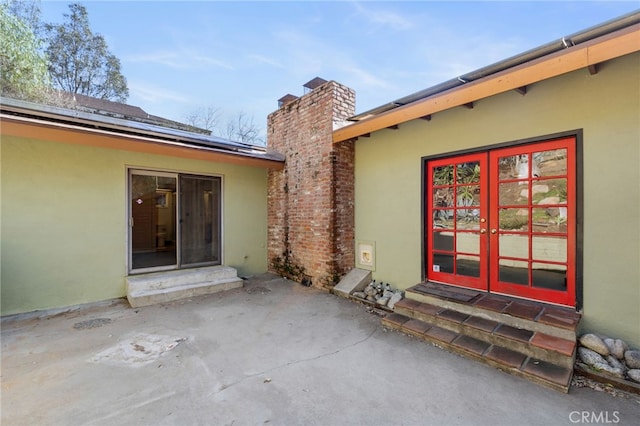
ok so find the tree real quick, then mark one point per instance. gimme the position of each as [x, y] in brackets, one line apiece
[239, 128]
[242, 129]
[204, 118]
[23, 66]
[28, 11]
[80, 62]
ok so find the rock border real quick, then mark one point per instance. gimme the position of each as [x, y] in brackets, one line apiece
[625, 385]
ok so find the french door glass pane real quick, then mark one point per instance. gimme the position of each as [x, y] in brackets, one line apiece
[153, 215]
[468, 265]
[551, 163]
[549, 248]
[514, 271]
[199, 220]
[443, 241]
[468, 172]
[442, 263]
[513, 193]
[517, 167]
[513, 245]
[516, 219]
[549, 276]
[443, 175]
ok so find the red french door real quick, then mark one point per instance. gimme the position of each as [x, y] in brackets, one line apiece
[457, 220]
[504, 221]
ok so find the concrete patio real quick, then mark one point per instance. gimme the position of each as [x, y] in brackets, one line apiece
[271, 352]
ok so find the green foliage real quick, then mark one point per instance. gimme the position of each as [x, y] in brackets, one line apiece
[23, 69]
[443, 175]
[80, 62]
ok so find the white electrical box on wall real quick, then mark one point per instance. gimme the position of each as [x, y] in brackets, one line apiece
[366, 255]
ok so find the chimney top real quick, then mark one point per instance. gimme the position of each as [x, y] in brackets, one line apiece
[286, 99]
[316, 82]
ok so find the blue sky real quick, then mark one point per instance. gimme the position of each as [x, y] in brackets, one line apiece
[242, 56]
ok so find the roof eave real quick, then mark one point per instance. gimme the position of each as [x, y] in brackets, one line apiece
[30, 127]
[589, 53]
[42, 116]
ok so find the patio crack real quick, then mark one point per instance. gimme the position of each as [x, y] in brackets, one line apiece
[296, 362]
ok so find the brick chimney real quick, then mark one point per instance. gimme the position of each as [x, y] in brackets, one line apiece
[311, 202]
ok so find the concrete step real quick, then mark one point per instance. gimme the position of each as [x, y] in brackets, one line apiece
[167, 286]
[551, 375]
[355, 280]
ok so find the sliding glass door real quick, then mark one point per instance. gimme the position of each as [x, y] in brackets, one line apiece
[175, 220]
[199, 220]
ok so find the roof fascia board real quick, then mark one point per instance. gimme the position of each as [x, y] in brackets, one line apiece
[592, 52]
[59, 132]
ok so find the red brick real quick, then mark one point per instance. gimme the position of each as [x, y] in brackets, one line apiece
[311, 202]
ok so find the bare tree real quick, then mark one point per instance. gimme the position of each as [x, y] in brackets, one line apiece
[207, 118]
[242, 129]
[239, 128]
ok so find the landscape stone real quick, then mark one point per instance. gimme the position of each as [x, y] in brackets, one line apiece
[616, 347]
[632, 358]
[397, 296]
[613, 361]
[595, 343]
[550, 200]
[634, 375]
[382, 301]
[540, 189]
[606, 368]
[590, 357]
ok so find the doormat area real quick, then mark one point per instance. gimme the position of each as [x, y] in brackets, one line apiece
[457, 294]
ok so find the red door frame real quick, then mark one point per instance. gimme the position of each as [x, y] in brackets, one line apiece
[490, 235]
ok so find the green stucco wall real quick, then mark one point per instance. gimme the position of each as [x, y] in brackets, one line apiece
[606, 106]
[64, 220]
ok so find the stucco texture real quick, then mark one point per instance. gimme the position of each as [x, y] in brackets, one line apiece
[64, 220]
[605, 106]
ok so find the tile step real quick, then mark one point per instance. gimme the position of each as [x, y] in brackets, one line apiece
[539, 317]
[536, 344]
[546, 373]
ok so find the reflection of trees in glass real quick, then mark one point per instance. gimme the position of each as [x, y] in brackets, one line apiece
[468, 172]
[462, 194]
[443, 175]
